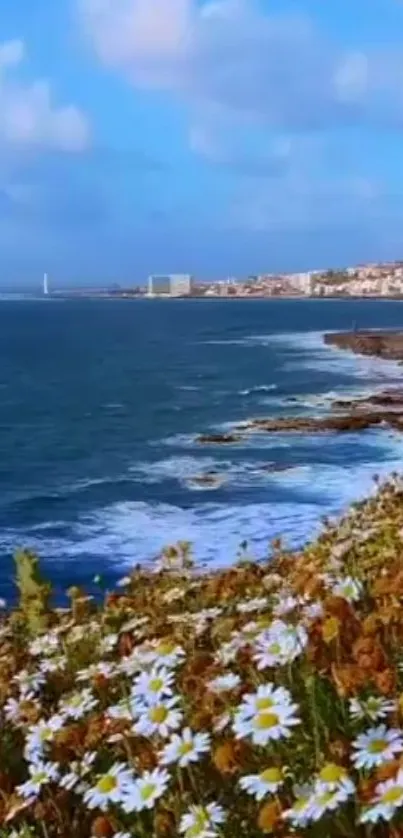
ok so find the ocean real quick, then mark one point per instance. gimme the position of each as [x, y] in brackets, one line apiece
[100, 404]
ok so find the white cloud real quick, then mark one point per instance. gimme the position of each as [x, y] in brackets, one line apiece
[231, 54]
[28, 116]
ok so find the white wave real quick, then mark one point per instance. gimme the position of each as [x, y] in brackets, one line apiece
[124, 533]
[186, 470]
[174, 468]
[259, 388]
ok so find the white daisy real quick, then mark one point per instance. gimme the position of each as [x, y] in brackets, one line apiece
[166, 653]
[280, 644]
[259, 785]
[224, 683]
[110, 787]
[250, 605]
[149, 686]
[29, 683]
[202, 821]
[107, 670]
[348, 588]
[299, 813]
[161, 718]
[333, 777]
[47, 644]
[377, 746]
[372, 708]
[78, 704]
[267, 725]
[146, 790]
[78, 770]
[185, 748]
[227, 653]
[325, 800]
[267, 715]
[40, 735]
[122, 710]
[313, 611]
[107, 643]
[285, 605]
[41, 773]
[57, 663]
[388, 798]
[14, 711]
[267, 697]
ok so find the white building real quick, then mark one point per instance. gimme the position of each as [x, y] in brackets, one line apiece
[180, 285]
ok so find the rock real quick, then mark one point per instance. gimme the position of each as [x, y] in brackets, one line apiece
[210, 480]
[389, 398]
[219, 439]
[380, 344]
[274, 467]
[341, 424]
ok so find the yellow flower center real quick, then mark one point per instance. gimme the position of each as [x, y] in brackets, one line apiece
[197, 828]
[156, 684]
[264, 703]
[326, 797]
[392, 795]
[271, 775]
[74, 701]
[39, 777]
[300, 804]
[147, 791]
[158, 714]
[377, 746]
[274, 649]
[106, 784]
[185, 748]
[265, 721]
[165, 648]
[332, 773]
[46, 734]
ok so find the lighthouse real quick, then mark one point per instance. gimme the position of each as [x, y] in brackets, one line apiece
[45, 285]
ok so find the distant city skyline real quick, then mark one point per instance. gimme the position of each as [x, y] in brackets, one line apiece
[219, 137]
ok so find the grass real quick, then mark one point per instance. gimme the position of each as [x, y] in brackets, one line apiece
[264, 699]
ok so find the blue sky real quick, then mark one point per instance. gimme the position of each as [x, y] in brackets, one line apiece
[211, 136]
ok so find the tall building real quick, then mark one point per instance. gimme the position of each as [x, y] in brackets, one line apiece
[172, 285]
[45, 285]
[181, 285]
[159, 286]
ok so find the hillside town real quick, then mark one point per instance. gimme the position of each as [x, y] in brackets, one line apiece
[369, 280]
[378, 280]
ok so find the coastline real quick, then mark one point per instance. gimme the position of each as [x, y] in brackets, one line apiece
[379, 343]
[249, 694]
[355, 414]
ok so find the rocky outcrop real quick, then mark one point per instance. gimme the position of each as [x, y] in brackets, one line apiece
[219, 439]
[209, 480]
[387, 399]
[380, 344]
[346, 423]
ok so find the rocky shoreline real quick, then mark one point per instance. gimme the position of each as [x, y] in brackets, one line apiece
[388, 345]
[346, 415]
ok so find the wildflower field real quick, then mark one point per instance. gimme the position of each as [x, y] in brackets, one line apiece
[264, 699]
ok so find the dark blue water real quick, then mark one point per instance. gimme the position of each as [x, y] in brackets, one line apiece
[100, 402]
